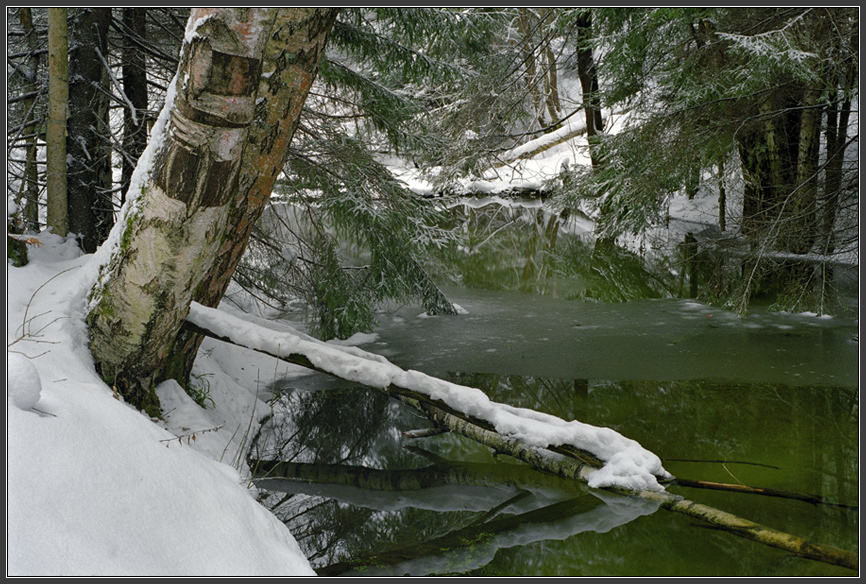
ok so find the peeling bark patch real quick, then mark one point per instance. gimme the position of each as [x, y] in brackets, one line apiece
[177, 176]
[232, 75]
[221, 183]
[203, 117]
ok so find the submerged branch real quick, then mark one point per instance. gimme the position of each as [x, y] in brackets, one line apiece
[806, 497]
[275, 473]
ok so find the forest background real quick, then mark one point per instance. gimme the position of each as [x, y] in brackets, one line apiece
[759, 103]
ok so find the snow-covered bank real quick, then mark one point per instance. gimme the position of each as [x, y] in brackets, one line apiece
[94, 487]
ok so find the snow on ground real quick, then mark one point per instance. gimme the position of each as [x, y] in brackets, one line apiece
[94, 487]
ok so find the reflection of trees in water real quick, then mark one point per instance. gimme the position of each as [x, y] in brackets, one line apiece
[303, 425]
[810, 434]
[354, 491]
[565, 398]
[505, 247]
[524, 245]
[340, 512]
[613, 274]
[530, 248]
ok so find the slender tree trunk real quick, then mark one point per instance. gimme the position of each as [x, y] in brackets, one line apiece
[526, 28]
[135, 88]
[838, 116]
[88, 144]
[551, 79]
[589, 84]
[181, 224]
[58, 98]
[30, 182]
[291, 62]
[723, 202]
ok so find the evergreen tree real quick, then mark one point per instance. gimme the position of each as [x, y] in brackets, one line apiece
[370, 102]
[709, 86]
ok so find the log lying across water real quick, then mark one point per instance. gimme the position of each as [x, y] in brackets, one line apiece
[569, 462]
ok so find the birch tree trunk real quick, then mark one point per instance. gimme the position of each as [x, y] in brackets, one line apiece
[55, 132]
[291, 62]
[181, 222]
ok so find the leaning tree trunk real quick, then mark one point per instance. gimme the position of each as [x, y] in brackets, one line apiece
[291, 61]
[179, 224]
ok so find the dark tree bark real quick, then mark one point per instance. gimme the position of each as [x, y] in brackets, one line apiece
[770, 158]
[589, 84]
[135, 87]
[30, 181]
[91, 213]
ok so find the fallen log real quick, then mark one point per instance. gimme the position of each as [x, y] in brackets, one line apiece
[805, 497]
[568, 461]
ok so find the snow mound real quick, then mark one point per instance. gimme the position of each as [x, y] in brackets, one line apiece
[23, 384]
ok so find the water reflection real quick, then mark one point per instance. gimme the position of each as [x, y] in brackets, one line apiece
[363, 498]
[767, 400]
[523, 245]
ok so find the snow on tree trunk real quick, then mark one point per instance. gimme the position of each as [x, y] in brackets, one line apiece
[179, 224]
[291, 62]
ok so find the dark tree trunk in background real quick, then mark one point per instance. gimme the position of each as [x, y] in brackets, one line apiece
[135, 88]
[88, 146]
[778, 156]
[30, 182]
[589, 84]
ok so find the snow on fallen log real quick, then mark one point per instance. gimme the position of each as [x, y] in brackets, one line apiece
[626, 464]
[567, 131]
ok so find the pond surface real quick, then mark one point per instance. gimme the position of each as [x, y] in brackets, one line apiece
[768, 400]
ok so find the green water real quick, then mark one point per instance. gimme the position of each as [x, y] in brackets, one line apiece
[768, 400]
